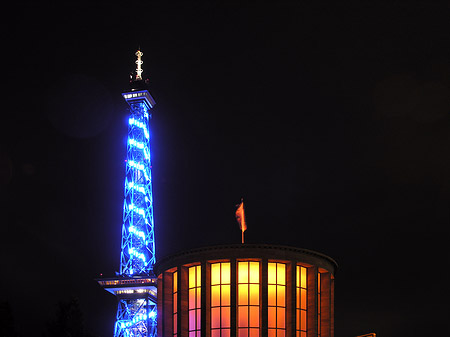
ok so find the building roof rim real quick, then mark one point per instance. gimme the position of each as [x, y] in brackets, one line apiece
[243, 246]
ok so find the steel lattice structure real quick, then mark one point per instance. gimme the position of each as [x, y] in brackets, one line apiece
[138, 240]
[135, 284]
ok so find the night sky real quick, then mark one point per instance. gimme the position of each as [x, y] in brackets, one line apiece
[332, 121]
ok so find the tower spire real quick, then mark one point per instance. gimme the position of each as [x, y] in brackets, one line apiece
[139, 63]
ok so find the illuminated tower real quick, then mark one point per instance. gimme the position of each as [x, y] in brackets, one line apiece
[135, 285]
[138, 240]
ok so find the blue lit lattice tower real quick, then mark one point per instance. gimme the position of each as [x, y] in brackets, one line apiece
[135, 285]
[138, 240]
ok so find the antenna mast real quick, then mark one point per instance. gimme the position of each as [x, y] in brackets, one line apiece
[139, 63]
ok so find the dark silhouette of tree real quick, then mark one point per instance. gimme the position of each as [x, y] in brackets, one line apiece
[69, 321]
[6, 321]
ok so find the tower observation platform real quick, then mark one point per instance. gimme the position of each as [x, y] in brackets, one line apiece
[135, 284]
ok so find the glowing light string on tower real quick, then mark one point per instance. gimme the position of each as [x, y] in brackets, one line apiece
[137, 316]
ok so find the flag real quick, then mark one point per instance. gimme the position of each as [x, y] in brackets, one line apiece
[240, 217]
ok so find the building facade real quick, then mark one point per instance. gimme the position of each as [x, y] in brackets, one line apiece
[246, 290]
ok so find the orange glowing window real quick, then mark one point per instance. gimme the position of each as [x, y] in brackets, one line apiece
[276, 300]
[220, 299]
[248, 299]
[301, 307]
[194, 301]
[175, 302]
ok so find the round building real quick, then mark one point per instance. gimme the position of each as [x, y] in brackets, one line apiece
[246, 290]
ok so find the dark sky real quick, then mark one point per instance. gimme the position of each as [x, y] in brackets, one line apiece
[332, 121]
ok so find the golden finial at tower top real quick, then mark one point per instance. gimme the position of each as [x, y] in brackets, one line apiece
[139, 63]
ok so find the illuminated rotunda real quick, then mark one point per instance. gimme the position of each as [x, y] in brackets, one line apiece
[246, 290]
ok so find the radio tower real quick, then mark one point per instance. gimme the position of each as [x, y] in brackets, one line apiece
[135, 285]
